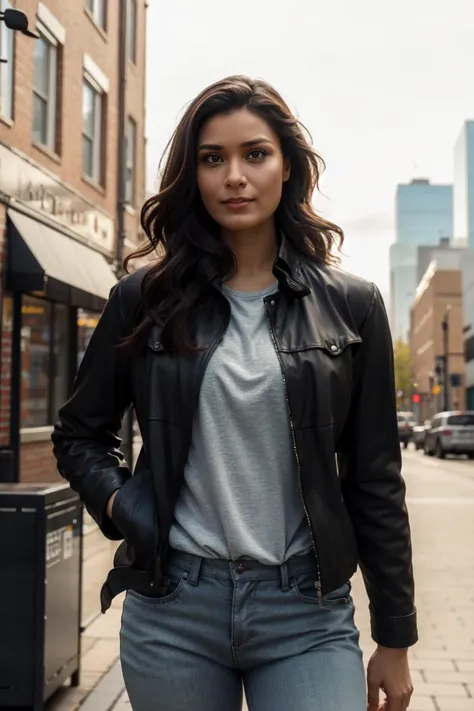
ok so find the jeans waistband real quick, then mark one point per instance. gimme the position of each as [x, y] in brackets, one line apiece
[243, 569]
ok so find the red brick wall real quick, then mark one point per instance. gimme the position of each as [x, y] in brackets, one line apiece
[82, 35]
[37, 463]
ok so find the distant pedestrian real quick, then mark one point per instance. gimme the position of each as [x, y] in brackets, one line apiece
[262, 380]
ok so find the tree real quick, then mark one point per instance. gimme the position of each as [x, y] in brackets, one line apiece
[402, 357]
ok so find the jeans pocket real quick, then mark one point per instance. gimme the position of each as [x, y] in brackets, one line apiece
[305, 588]
[340, 596]
[172, 587]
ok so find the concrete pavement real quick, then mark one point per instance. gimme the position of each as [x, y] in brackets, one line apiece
[441, 503]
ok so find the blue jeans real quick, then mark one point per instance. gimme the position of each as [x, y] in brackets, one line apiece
[222, 626]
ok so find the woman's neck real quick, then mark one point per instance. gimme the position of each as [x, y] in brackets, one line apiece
[255, 252]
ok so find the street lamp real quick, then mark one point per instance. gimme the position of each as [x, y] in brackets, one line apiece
[445, 327]
[17, 21]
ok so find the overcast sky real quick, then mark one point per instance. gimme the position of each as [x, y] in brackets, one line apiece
[383, 87]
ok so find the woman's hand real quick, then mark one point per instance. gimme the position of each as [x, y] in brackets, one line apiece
[388, 670]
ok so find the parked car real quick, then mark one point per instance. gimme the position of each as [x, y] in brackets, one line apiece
[419, 434]
[451, 433]
[406, 423]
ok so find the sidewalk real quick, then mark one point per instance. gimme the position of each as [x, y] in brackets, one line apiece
[100, 652]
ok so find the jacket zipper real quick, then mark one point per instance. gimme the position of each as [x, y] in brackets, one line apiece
[318, 584]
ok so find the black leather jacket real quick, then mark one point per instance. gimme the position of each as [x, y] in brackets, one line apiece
[332, 338]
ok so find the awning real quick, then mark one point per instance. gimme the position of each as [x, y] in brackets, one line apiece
[42, 259]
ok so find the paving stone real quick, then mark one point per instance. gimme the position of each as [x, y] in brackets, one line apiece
[422, 653]
[442, 677]
[462, 654]
[106, 626]
[446, 703]
[454, 690]
[101, 656]
[416, 677]
[422, 703]
[432, 664]
[464, 665]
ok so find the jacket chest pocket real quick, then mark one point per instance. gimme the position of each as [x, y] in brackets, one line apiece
[319, 381]
[172, 384]
[163, 382]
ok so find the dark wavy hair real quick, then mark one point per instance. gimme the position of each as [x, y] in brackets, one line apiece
[190, 253]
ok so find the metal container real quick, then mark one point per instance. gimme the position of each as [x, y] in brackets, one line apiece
[40, 591]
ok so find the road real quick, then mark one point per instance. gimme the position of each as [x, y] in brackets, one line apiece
[440, 496]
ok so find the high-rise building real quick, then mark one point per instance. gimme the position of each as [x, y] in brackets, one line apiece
[72, 181]
[464, 187]
[423, 216]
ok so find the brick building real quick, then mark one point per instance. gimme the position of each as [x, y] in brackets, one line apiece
[439, 298]
[69, 202]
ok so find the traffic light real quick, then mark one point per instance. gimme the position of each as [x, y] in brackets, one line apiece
[416, 398]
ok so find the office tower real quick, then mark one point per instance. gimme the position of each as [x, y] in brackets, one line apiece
[423, 216]
[464, 187]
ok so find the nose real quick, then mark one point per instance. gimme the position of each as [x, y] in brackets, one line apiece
[235, 177]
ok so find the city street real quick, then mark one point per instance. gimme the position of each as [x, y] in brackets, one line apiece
[441, 504]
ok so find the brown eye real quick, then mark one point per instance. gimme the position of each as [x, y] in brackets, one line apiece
[212, 158]
[257, 154]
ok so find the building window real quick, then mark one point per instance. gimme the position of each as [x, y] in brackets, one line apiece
[92, 112]
[86, 324]
[44, 376]
[6, 68]
[45, 90]
[131, 158]
[132, 29]
[98, 10]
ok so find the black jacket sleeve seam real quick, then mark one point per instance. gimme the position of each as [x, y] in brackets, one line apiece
[369, 310]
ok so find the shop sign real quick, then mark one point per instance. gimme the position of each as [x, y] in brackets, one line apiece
[31, 186]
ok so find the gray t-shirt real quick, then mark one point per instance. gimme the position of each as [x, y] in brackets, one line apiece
[241, 496]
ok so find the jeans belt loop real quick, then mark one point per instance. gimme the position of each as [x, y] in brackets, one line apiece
[285, 582]
[195, 570]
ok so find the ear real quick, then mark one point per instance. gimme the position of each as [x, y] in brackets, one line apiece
[286, 169]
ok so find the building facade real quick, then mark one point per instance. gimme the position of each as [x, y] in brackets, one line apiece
[423, 216]
[464, 186]
[439, 298]
[68, 132]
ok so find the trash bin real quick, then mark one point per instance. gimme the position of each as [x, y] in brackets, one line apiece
[40, 591]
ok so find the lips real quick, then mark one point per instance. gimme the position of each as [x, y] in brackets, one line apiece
[237, 201]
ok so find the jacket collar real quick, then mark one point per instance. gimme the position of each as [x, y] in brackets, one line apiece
[287, 269]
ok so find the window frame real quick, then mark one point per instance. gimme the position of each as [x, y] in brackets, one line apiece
[131, 161]
[7, 51]
[132, 30]
[98, 139]
[98, 11]
[50, 313]
[52, 99]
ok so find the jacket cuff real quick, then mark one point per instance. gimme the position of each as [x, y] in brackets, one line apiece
[394, 632]
[106, 482]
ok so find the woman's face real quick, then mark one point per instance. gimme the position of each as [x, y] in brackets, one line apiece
[241, 170]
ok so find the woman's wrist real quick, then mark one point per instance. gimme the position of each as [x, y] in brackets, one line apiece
[110, 504]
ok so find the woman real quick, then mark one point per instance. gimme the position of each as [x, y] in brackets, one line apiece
[262, 380]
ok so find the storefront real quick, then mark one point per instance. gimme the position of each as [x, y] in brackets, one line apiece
[54, 287]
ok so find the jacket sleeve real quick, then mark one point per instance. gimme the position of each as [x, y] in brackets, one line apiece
[373, 489]
[85, 439]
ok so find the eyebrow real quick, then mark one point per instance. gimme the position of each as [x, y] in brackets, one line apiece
[245, 144]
